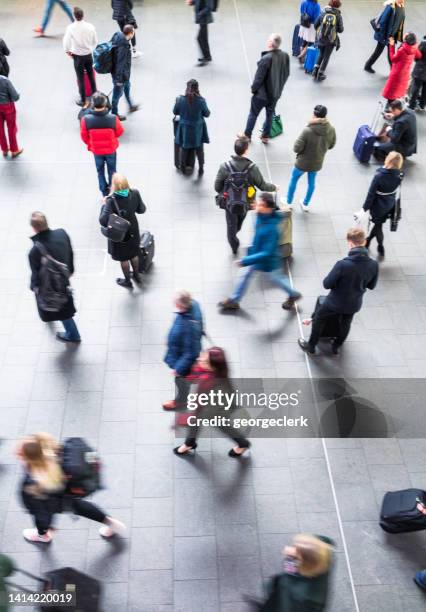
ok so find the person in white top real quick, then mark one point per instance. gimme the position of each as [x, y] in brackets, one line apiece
[79, 41]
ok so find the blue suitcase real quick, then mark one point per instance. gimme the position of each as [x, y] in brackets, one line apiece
[297, 41]
[311, 57]
[364, 144]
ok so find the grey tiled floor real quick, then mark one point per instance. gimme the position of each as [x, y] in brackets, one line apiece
[205, 531]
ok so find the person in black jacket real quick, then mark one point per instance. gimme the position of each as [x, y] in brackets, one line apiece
[122, 67]
[418, 87]
[389, 24]
[4, 66]
[273, 70]
[328, 26]
[348, 281]
[129, 203]
[203, 16]
[123, 15]
[402, 135]
[382, 196]
[57, 244]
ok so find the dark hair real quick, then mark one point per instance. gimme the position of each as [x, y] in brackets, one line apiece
[128, 29]
[396, 105]
[78, 13]
[241, 145]
[192, 90]
[410, 38]
[268, 199]
[320, 111]
[99, 100]
[335, 3]
[217, 360]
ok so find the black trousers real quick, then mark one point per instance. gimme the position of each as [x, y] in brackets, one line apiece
[234, 223]
[203, 41]
[82, 64]
[186, 157]
[377, 232]
[418, 90]
[228, 431]
[320, 319]
[380, 47]
[182, 389]
[324, 57]
[121, 24]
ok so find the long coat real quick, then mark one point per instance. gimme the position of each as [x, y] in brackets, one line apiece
[419, 71]
[399, 78]
[128, 206]
[191, 131]
[385, 181]
[184, 340]
[203, 11]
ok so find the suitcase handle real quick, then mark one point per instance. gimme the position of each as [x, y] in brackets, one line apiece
[376, 118]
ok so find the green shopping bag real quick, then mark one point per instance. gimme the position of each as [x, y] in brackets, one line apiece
[277, 127]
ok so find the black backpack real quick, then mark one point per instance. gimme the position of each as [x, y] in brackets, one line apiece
[81, 466]
[328, 28]
[234, 195]
[53, 291]
[399, 513]
[215, 5]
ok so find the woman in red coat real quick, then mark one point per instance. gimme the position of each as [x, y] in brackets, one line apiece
[402, 60]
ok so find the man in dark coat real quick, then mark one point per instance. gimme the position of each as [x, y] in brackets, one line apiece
[240, 163]
[123, 15]
[55, 244]
[203, 16]
[183, 345]
[348, 281]
[273, 70]
[418, 88]
[389, 24]
[122, 67]
[402, 134]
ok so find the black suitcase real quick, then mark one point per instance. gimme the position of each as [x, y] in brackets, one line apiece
[146, 251]
[399, 513]
[184, 158]
[332, 325]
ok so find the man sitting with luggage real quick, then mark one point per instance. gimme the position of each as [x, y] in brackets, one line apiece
[348, 281]
[235, 182]
[402, 135]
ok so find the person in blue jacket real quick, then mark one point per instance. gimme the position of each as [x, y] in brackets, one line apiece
[309, 13]
[389, 24]
[183, 345]
[263, 255]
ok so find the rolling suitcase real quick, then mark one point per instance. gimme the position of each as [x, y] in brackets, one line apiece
[366, 137]
[332, 326]
[146, 251]
[184, 159]
[297, 41]
[87, 89]
[399, 513]
[311, 57]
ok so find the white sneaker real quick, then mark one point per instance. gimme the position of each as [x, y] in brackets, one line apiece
[136, 54]
[303, 207]
[114, 526]
[32, 535]
[284, 202]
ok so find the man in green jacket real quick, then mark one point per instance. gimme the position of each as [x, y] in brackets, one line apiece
[239, 163]
[311, 146]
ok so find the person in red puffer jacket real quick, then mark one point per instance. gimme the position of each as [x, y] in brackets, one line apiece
[402, 61]
[100, 131]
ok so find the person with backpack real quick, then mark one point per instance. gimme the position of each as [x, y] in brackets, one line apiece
[79, 41]
[40, 30]
[4, 65]
[263, 255]
[328, 26]
[126, 203]
[52, 264]
[203, 10]
[123, 15]
[46, 489]
[402, 60]
[235, 185]
[8, 97]
[183, 345]
[318, 137]
[418, 83]
[388, 24]
[273, 70]
[121, 69]
[100, 131]
[309, 12]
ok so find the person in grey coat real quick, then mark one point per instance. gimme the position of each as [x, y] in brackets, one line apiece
[203, 16]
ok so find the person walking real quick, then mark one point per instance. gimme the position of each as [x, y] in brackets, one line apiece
[389, 24]
[212, 376]
[309, 13]
[191, 133]
[273, 70]
[402, 60]
[123, 15]
[263, 255]
[79, 41]
[40, 30]
[4, 65]
[44, 492]
[183, 345]
[122, 67]
[382, 196]
[401, 135]
[418, 87]
[52, 264]
[127, 203]
[203, 10]
[328, 27]
[348, 280]
[100, 131]
[235, 185]
[311, 147]
[8, 97]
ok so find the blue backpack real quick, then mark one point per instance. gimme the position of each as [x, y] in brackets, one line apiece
[103, 57]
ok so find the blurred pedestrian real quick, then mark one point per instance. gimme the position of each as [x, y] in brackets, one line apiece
[309, 12]
[8, 97]
[418, 83]
[203, 10]
[40, 30]
[388, 24]
[122, 13]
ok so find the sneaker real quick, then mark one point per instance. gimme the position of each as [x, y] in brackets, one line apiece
[38, 30]
[289, 304]
[62, 336]
[170, 405]
[303, 207]
[305, 346]
[136, 54]
[16, 153]
[32, 535]
[229, 305]
[112, 528]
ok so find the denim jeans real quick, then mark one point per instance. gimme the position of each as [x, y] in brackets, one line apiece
[71, 329]
[117, 92]
[275, 276]
[293, 183]
[257, 104]
[48, 11]
[111, 163]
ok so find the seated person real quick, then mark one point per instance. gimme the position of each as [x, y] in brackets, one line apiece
[401, 135]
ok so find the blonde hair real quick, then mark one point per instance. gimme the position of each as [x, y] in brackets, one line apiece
[394, 160]
[39, 453]
[314, 555]
[356, 235]
[119, 182]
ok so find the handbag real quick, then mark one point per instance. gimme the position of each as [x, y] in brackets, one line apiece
[276, 127]
[396, 214]
[117, 227]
